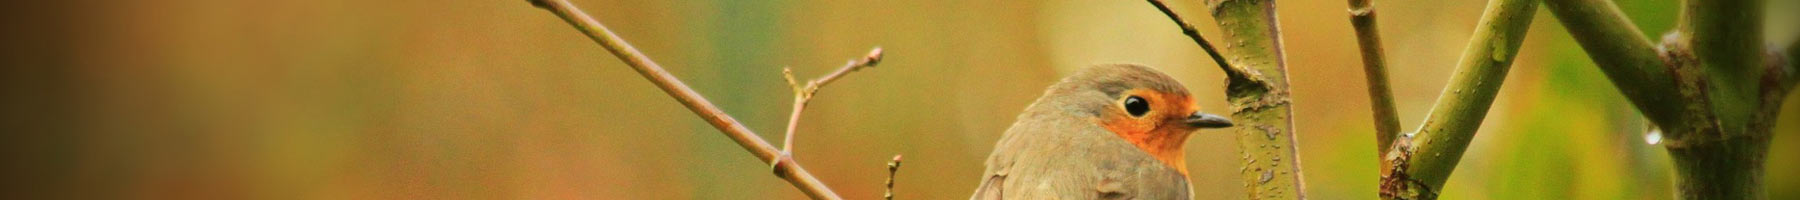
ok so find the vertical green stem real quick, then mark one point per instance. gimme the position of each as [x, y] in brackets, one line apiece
[1726, 37]
[1260, 99]
[1381, 97]
[1792, 66]
[1725, 161]
[1726, 169]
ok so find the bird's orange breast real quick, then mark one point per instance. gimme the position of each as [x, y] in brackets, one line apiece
[1161, 143]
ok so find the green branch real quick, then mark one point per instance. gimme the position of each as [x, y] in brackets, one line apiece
[1424, 163]
[1381, 97]
[1259, 99]
[1703, 86]
[1625, 55]
[1722, 158]
[1731, 168]
[1726, 38]
[1791, 66]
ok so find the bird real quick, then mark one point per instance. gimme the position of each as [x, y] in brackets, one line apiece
[1110, 131]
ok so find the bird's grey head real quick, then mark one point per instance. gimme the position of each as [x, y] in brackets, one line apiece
[1129, 89]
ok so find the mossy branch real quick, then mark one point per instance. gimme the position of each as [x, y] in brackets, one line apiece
[1425, 160]
[1257, 89]
[1707, 86]
[1721, 155]
[1726, 40]
[1258, 92]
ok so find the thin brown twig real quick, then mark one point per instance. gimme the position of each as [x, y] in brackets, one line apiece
[791, 171]
[1194, 33]
[893, 167]
[803, 93]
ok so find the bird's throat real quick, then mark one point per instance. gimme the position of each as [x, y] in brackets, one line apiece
[1164, 144]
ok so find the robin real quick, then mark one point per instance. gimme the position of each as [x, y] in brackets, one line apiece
[1108, 132]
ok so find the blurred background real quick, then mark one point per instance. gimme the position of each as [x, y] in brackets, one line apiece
[339, 99]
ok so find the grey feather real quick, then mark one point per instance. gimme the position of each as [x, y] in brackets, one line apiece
[1075, 157]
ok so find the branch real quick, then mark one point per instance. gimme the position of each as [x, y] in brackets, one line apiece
[792, 172]
[803, 93]
[1789, 55]
[1703, 84]
[1726, 36]
[1381, 97]
[1426, 160]
[1627, 57]
[1724, 72]
[1791, 66]
[1258, 92]
[1235, 74]
[893, 167]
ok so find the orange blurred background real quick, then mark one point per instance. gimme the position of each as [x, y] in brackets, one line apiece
[338, 99]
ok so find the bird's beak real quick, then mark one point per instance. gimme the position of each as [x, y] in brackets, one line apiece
[1203, 120]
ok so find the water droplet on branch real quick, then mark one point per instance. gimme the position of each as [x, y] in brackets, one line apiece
[1653, 137]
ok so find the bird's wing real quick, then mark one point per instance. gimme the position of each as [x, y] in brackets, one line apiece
[999, 163]
[1043, 156]
[990, 188]
[1023, 136]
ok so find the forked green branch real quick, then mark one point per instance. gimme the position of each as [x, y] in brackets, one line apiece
[1425, 161]
[1626, 56]
[1706, 85]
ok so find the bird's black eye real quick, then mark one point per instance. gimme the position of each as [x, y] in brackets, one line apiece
[1136, 106]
